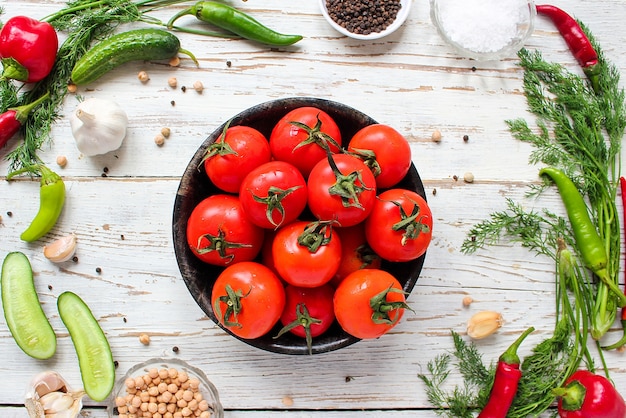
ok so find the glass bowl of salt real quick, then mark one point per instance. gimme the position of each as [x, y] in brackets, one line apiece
[485, 30]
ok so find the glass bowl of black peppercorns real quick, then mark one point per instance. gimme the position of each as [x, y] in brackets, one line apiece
[365, 19]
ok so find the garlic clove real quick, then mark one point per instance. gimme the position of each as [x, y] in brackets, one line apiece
[61, 250]
[49, 396]
[483, 324]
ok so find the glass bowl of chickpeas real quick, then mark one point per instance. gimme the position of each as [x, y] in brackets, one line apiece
[166, 388]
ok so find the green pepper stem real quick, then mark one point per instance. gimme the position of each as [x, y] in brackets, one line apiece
[188, 11]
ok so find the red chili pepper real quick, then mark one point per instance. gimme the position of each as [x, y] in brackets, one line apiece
[12, 120]
[28, 49]
[507, 378]
[588, 395]
[576, 40]
[622, 341]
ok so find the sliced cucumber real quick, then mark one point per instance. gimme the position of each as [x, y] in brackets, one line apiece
[25, 317]
[97, 368]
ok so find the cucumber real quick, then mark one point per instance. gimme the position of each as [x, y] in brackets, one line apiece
[97, 368]
[25, 317]
[138, 44]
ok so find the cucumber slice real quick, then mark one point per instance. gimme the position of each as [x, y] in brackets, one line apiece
[25, 317]
[97, 368]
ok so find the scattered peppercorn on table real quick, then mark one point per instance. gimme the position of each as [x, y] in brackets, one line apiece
[119, 205]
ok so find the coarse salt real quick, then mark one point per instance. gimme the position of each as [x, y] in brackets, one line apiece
[482, 26]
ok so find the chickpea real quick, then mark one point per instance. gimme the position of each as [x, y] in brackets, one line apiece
[145, 340]
[62, 161]
[166, 132]
[436, 136]
[72, 88]
[174, 62]
[143, 77]
[198, 86]
[159, 140]
[172, 82]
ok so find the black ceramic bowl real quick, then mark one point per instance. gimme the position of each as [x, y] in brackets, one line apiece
[195, 186]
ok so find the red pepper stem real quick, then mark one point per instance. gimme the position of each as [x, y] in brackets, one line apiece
[510, 355]
[22, 112]
[572, 395]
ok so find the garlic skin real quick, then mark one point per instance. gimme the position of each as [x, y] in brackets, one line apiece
[61, 249]
[98, 126]
[49, 396]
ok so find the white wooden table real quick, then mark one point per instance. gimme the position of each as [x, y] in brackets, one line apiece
[411, 81]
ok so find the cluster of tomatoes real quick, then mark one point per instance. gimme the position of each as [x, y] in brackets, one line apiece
[303, 223]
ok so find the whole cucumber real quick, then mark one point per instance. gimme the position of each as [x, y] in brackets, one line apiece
[133, 45]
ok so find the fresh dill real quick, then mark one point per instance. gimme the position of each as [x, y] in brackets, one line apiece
[580, 132]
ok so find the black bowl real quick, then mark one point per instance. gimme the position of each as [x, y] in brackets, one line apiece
[195, 186]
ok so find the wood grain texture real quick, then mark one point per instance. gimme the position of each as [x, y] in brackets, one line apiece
[411, 81]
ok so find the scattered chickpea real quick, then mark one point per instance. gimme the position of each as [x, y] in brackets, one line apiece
[61, 161]
[436, 136]
[287, 401]
[468, 177]
[143, 76]
[198, 86]
[166, 132]
[172, 82]
[144, 339]
[72, 88]
[174, 62]
[159, 139]
[467, 301]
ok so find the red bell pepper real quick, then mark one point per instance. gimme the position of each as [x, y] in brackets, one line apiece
[588, 395]
[12, 120]
[28, 49]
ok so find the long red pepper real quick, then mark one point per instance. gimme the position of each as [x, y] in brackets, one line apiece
[507, 378]
[576, 40]
[622, 341]
[12, 120]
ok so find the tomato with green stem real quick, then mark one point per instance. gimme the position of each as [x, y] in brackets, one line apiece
[400, 225]
[385, 151]
[306, 254]
[341, 188]
[304, 136]
[248, 299]
[273, 194]
[308, 311]
[219, 233]
[369, 302]
[356, 253]
[236, 152]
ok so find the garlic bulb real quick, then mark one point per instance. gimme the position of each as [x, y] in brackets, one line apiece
[49, 396]
[98, 126]
[61, 249]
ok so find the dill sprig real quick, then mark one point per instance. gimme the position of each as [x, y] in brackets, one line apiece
[578, 131]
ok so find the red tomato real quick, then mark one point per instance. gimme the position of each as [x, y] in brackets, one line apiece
[345, 194]
[302, 136]
[385, 151]
[368, 303]
[248, 299]
[356, 253]
[219, 233]
[306, 254]
[273, 194]
[227, 161]
[413, 221]
[308, 311]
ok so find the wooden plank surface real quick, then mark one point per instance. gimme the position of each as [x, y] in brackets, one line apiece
[411, 81]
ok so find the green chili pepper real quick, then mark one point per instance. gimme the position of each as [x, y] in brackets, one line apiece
[235, 21]
[51, 200]
[589, 243]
